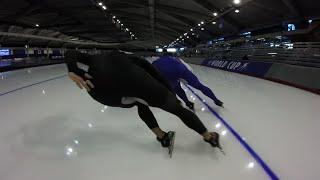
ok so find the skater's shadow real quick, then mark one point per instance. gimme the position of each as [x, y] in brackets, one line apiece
[49, 138]
[113, 140]
[197, 148]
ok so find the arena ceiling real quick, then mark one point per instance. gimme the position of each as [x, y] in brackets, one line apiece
[139, 23]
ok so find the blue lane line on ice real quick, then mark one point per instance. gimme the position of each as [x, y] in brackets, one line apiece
[59, 77]
[265, 167]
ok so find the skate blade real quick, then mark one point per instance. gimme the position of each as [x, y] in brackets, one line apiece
[171, 147]
[221, 150]
[192, 110]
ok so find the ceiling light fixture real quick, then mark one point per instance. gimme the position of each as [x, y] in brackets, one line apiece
[236, 1]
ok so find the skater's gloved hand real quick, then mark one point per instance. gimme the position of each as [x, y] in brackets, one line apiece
[81, 83]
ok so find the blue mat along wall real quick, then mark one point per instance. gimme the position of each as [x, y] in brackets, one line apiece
[258, 69]
[306, 78]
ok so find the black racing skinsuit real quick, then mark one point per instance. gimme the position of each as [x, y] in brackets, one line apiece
[117, 75]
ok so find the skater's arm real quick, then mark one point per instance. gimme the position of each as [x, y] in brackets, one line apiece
[81, 82]
[152, 71]
[72, 57]
[79, 76]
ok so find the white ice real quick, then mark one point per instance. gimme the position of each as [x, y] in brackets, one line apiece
[53, 130]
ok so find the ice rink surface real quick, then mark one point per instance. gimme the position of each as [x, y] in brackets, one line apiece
[49, 129]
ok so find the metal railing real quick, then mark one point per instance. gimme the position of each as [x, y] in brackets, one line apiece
[302, 53]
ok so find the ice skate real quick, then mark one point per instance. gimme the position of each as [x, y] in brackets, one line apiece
[168, 141]
[190, 105]
[214, 141]
[218, 103]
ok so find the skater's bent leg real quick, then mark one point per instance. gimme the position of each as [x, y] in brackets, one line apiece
[188, 118]
[180, 92]
[158, 132]
[147, 116]
[194, 82]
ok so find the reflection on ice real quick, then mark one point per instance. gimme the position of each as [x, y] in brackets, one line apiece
[76, 141]
[218, 125]
[224, 132]
[69, 151]
[251, 165]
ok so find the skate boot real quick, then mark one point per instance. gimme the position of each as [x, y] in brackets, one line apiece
[218, 103]
[214, 141]
[168, 141]
[190, 105]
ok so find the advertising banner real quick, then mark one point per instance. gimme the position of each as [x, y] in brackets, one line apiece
[258, 69]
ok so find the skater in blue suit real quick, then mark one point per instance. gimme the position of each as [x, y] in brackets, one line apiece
[176, 70]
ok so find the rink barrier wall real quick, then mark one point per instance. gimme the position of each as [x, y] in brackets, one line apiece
[250, 150]
[30, 63]
[245, 67]
[305, 78]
